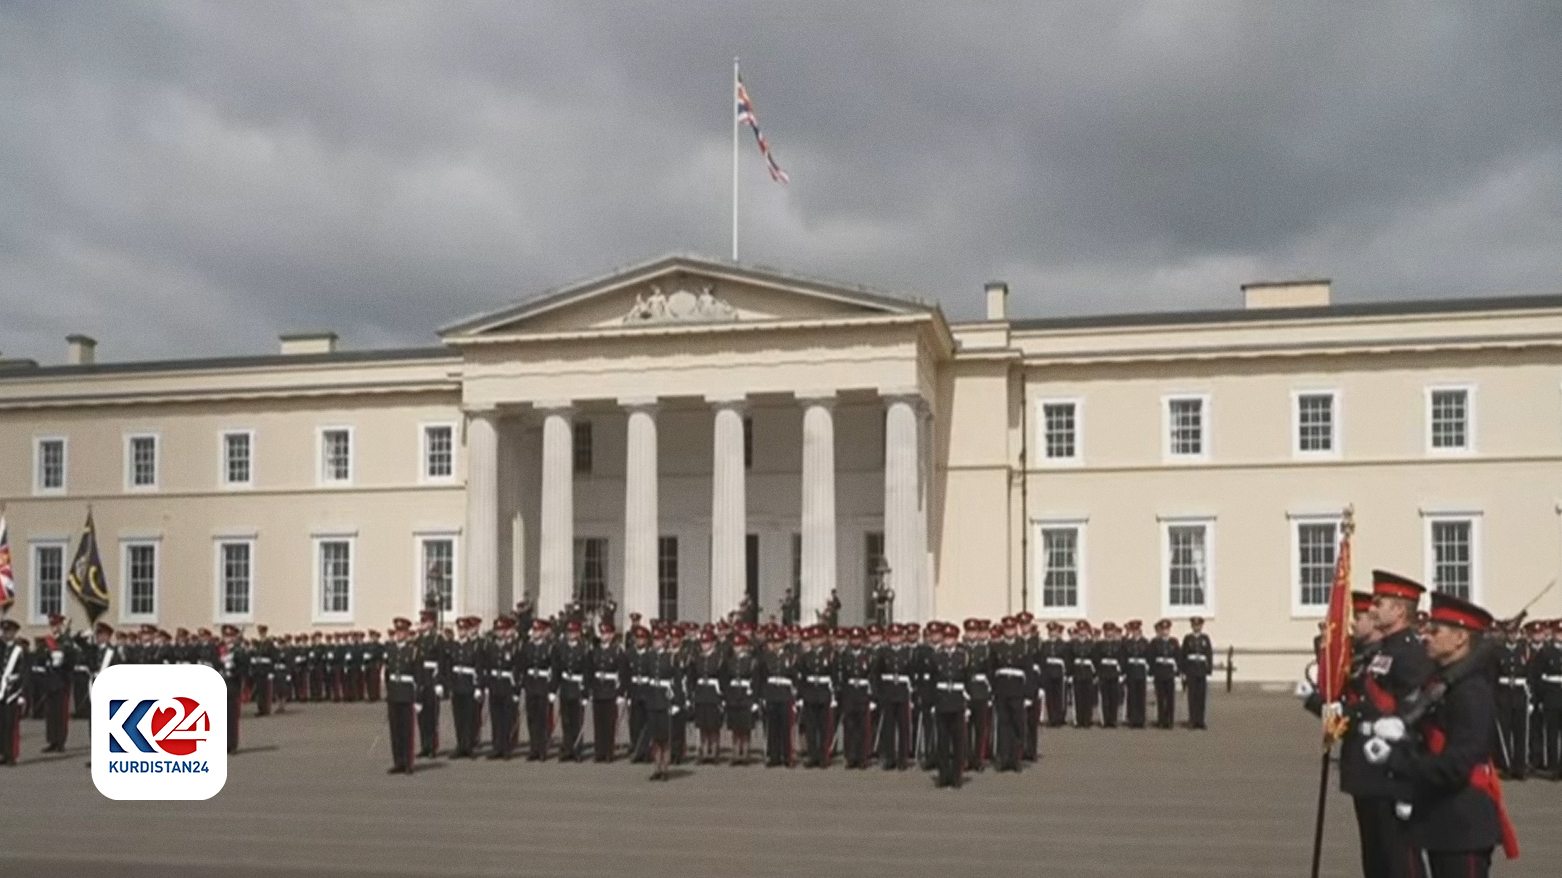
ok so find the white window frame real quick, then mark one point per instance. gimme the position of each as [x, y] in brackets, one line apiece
[1297, 451]
[419, 538]
[1078, 458]
[34, 603]
[65, 465]
[219, 587]
[316, 613]
[1295, 521]
[352, 456]
[1206, 431]
[130, 461]
[1039, 567]
[125, 545]
[1469, 419]
[222, 460]
[423, 452]
[1429, 553]
[1183, 611]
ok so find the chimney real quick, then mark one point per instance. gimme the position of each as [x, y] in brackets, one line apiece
[308, 343]
[81, 350]
[1287, 294]
[997, 300]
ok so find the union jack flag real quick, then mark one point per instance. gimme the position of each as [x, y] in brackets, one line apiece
[7, 581]
[747, 116]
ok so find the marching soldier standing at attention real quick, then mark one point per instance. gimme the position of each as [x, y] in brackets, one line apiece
[641, 660]
[573, 663]
[818, 694]
[1548, 676]
[317, 667]
[262, 663]
[86, 655]
[664, 699]
[780, 669]
[980, 690]
[705, 682]
[466, 675]
[925, 693]
[37, 659]
[893, 671]
[401, 694]
[1035, 702]
[1513, 702]
[855, 671]
[743, 676]
[1109, 658]
[374, 665]
[1082, 668]
[538, 679]
[1198, 662]
[949, 671]
[1055, 656]
[1010, 686]
[59, 659]
[13, 666]
[609, 667]
[1136, 670]
[1165, 659]
[433, 668]
[233, 663]
[683, 650]
[501, 661]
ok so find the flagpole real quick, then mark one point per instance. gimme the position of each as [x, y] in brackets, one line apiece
[732, 107]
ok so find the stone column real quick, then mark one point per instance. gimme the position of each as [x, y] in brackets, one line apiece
[641, 530]
[818, 505]
[556, 552]
[729, 510]
[480, 595]
[903, 537]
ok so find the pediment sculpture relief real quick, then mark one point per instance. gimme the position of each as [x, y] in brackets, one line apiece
[682, 306]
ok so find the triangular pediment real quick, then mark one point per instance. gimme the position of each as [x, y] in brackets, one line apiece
[681, 290]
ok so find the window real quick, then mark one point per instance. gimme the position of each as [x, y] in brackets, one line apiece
[333, 579]
[1188, 582]
[1316, 550]
[235, 580]
[1453, 556]
[141, 462]
[667, 579]
[797, 564]
[748, 443]
[48, 581]
[139, 591]
[1315, 423]
[237, 456]
[583, 447]
[590, 572]
[872, 554]
[1060, 431]
[439, 454]
[1450, 419]
[437, 576]
[1058, 568]
[49, 465]
[336, 456]
[1185, 417]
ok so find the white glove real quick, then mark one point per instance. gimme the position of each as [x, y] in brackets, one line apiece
[1028, 703]
[1377, 750]
[1304, 689]
[1390, 729]
[57, 657]
[439, 691]
[417, 708]
[553, 698]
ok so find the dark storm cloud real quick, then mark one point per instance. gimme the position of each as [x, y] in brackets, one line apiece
[190, 178]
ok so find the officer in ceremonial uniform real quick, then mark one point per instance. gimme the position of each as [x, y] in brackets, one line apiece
[233, 662]
[1082, 669]
[467, 674]
[85, 654]
[609, 673]
[1055, 655]
[1010, 669]
[573, 663]
[1547, 674]
[1514, 661]
[59, 660]
[1198, 662]
[893, 670]
[1453, 801]
[1109, 665]
[641, 658]
[949, 671]
[979, 688]
[665, 698]
[854, 668]
[402, 664]
[1136, 673]
[433, 670]
[262, 663]
[706, 685]
[539, 681]
[13, 668]
[374, 666]
[1165, 659]
[743, 678]
[818, 691]
[501, 664]
[780, 669]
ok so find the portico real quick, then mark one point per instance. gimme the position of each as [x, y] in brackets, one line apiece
[683, 434]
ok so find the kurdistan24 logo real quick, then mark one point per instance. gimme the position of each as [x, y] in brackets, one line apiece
[171, 726]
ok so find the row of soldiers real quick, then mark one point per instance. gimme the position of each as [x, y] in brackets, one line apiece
[1529, 699]
[886, 693]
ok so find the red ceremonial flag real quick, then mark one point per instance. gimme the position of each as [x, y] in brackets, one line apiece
[1334, 654]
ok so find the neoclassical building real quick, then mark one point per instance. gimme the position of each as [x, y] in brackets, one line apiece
[686, 431]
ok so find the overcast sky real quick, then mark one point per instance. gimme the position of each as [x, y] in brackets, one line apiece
[192, 178]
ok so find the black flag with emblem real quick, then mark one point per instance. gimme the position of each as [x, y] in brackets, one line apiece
[86, 576]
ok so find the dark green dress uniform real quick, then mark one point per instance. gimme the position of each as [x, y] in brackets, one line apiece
[1136, 675]
[13, 679]
[501, 666]
[572, 664]
[1198, 662]
[855, 671]
[609, 670]
[980, 689]
[949, 671]
[817, 687]
[705, 683]
[664, 695]
[780, 668]
[1054, 658]
[1109, 677]
[539, 681]
[262, 667]
[232, 661]
[433, 671]
[467, 673]
[1165, 659]
[1011, 676]
[642, 664]
[743, 679]
[1513, 706]
[893, 673]
[1082, 669]
[402, 663]
[1547, 674]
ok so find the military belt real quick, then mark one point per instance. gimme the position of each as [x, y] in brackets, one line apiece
[401, 678]
[1011, 672]
[951, 687]
[432, 666]
[1515, 681]
[979, 677]
[1166, 659]
[465, 669]
[741, 684]
[859, 681]
[574, 678]
[1552, 678]
[820, 681]
[505, 674]
[1054, 660]
[896, 678]
[639, 681]
[710, 681]
[1138, 661]
[781, 681]
[1109, 661]
[607, 675]
[538, 672]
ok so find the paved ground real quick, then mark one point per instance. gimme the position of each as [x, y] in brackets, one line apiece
[309, 796]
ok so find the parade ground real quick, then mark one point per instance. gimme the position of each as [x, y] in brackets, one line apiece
[308, 795]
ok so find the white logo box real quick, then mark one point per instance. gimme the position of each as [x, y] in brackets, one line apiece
[177, 712]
